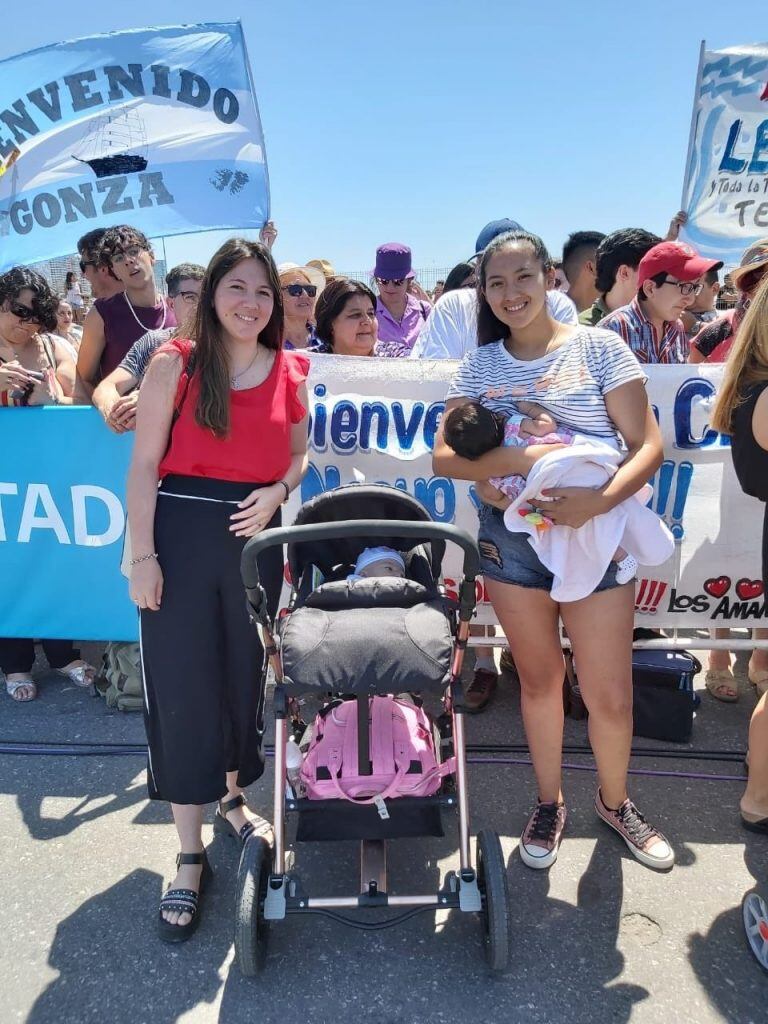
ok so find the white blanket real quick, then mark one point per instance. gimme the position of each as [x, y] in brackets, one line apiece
[578, 558]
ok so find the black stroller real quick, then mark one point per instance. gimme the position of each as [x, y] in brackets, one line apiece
[367, 646]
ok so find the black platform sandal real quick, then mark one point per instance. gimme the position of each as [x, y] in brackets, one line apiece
[186, 901]
[223, 826]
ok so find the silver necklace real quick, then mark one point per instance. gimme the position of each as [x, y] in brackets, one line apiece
[233, 380]
[141, 325]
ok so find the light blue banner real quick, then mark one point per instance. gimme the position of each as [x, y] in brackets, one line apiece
[62, 488]
[156, 127]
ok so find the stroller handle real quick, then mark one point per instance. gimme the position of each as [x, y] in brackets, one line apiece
[357, 528]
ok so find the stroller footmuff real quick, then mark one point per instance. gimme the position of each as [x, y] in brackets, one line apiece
[335, 643]
[376, 767]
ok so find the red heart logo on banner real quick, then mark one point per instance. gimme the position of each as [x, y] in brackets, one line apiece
[718, 586]
[748, 590]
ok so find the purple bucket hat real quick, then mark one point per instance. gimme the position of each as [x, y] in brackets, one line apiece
[393, 262]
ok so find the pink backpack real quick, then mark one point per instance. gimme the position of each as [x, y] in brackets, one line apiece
[400, 734]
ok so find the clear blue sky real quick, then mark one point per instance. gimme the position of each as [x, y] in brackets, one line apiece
[420, 121]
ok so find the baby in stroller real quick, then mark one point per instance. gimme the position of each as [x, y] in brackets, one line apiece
[471, 430]
[377, 767]
[381, 561]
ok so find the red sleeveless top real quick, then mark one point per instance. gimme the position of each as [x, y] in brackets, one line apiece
[258, 447]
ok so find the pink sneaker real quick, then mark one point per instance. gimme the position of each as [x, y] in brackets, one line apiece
[646, 843]
[540, 842]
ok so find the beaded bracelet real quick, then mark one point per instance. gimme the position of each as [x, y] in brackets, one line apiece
[144, 558]
[287, 490]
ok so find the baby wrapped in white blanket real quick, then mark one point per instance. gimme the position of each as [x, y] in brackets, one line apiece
[578, 558]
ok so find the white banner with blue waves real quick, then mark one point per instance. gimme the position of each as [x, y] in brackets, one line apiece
[726, 180]
[155, 127]
[61, 504]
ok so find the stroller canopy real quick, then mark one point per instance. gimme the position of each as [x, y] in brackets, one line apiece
[358, 501]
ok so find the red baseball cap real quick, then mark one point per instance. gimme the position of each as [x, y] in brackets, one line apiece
[674, 258]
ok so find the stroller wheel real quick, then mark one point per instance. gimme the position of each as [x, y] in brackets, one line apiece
[251, 930]
[755, 913]
[492, 882]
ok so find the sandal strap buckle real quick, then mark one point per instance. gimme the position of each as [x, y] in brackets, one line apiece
[189, 858]
[225, 806]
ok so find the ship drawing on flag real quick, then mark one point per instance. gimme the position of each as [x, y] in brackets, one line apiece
[114, 144]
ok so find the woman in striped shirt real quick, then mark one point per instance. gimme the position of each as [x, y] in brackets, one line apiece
[590, 382]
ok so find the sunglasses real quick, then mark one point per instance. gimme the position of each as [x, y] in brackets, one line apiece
[86, 263]
[24, 313]
[750, 281]
[132, 252]
[296, 289]
[686, 287]
[396, 282]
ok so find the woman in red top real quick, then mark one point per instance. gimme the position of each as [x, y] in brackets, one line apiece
[222, 425]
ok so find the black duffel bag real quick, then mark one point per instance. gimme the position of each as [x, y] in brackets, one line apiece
[663, 697]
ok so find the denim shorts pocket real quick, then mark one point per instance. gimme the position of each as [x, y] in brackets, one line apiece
[482, 513]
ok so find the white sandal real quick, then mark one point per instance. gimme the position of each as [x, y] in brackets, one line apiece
[82, 675]
[12, 687]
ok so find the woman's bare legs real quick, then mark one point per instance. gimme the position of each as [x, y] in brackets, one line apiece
[600, 629]
[720, 660]
[529, 618]
[758, 663]
[719, 678]
[238, 816]
[188, 819]
[754, 802]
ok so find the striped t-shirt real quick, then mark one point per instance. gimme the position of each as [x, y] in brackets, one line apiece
[136, 359]
[569, 382]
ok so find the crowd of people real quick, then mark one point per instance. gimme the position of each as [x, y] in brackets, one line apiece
[548, 348]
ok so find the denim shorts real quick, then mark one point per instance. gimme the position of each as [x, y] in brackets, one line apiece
[507, 556]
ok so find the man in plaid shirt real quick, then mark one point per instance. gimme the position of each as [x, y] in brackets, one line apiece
[668, 280]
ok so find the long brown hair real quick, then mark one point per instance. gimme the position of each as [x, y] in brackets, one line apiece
[747, 361]
[211, 364]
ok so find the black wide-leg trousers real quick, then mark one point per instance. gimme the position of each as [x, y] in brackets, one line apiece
[201, 657]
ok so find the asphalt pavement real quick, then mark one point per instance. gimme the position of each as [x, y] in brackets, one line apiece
[84, 858]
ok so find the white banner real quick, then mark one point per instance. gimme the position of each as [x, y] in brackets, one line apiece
[726, 180]
[367, 424]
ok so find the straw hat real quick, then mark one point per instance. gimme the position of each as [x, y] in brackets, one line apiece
[755, 258]
[325, 267]
[312, 274]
